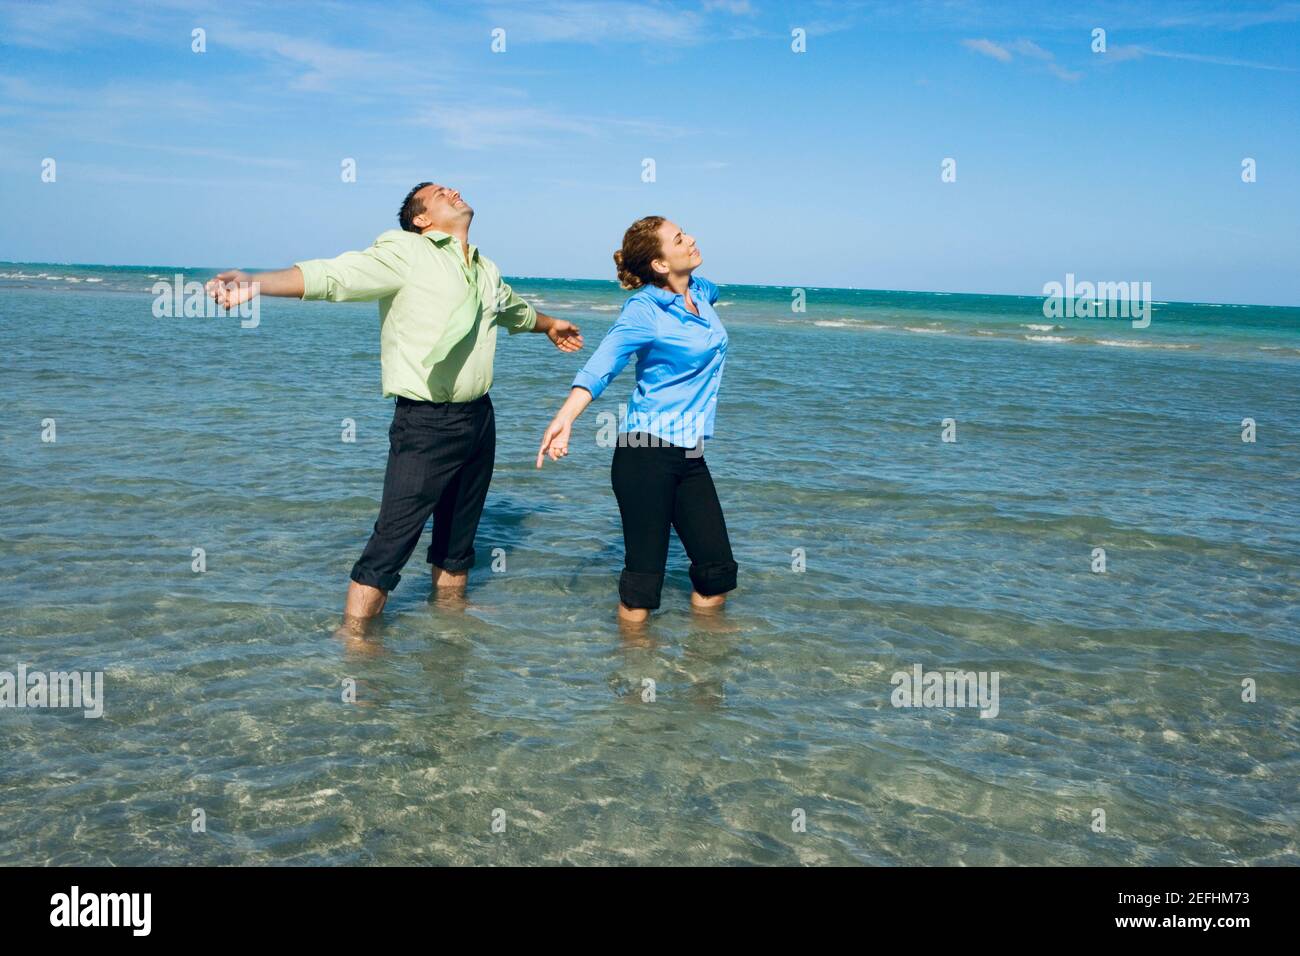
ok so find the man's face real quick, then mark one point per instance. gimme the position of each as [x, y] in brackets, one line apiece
[444, 209]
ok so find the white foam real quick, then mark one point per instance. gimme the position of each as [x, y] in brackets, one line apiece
[915, 328]
[850, 324]
[1044, 328]
[1131, 344]
[1046, 338]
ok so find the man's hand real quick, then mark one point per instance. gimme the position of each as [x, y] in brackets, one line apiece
[235, 288]
[565, 335]
[232, 288]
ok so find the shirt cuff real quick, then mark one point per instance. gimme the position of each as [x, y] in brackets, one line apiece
[313, 278]
[527, 323]
[591, 383]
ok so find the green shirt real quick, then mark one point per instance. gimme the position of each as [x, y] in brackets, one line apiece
[438, 315]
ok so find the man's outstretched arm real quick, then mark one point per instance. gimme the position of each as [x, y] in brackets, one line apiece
[233, 287]
[564, 334]
[362, 276]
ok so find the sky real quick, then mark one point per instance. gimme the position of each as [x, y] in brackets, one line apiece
[820, 168]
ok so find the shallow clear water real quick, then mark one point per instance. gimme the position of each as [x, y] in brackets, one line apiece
[1119, 691]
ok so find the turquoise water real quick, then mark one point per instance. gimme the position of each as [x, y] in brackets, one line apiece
[1118, 691]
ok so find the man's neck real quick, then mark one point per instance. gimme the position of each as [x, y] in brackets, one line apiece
[456, 232]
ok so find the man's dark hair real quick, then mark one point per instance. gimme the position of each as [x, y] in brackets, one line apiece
[411, 207]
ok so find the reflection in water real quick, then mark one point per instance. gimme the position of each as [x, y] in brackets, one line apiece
[691, 666]
[361, 636]
[449, 599]
[638, 634]
[707, 653]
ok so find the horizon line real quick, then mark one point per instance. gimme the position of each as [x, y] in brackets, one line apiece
[830, 288]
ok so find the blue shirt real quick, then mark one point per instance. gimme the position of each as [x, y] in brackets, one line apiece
[679, 359]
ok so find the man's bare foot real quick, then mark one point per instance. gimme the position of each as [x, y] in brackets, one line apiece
[359, 635]
[363, 601]
[632, 615]
[713, 602]
[448, 598]
[449, 579]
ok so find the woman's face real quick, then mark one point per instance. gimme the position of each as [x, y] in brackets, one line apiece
[678, 252]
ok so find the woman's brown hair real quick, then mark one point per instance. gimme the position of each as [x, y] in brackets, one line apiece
[641, 246]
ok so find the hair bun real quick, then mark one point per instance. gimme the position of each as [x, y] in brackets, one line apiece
[626, 279]
[641, 246]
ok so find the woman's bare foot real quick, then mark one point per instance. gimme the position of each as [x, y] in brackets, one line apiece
[632, 615]
[713, 602]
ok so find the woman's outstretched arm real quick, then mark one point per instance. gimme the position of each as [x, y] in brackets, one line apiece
[634, 329]
[555, 440]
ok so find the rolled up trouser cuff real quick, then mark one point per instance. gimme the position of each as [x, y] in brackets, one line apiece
[640, 590]
[371, 578]
[718, 577]
[452, 564]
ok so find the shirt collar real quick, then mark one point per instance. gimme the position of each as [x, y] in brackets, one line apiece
[440, 239]
[666, 297]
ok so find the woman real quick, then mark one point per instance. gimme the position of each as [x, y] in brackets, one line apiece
[659, 474]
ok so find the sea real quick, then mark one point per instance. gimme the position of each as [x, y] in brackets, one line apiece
[1095, 523]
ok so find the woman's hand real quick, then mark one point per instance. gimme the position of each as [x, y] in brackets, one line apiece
[555, 440]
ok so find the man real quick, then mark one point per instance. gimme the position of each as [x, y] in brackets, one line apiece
[440, 302]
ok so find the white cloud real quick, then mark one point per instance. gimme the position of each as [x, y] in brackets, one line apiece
[988, 48]
[598, 21]
[1062, 73]
[1118, 54]
[485, 127]
[737, 7]
[1030, 48]
[1027, 48]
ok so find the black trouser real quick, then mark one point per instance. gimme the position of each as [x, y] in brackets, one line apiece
[664, 486]
[440, 457]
